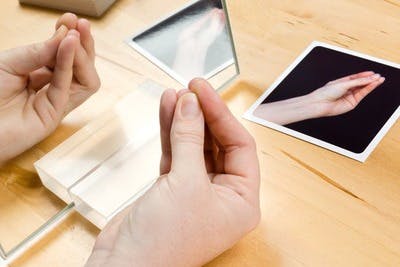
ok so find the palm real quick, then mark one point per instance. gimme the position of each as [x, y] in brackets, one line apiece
[344, 104]
[41, 83]
[29, 109]
[205, 199]
[19, 102]
[16, 85]
[17, 107]
[343, 95]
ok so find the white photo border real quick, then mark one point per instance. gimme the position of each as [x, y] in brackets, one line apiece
[362, 157]
[163, 66]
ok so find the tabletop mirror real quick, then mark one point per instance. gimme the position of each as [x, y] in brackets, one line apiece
[94, 171]
[194, 41]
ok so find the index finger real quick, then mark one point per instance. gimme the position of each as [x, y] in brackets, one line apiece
[352, 77]
[59, 86]
[238, 145]
[87, 40]
[70, 21]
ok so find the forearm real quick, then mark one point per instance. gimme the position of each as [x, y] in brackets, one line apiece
[290, 110]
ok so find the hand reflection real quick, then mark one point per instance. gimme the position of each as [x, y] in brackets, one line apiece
[194, 42]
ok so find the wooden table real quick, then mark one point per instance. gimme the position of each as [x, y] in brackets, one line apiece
[319, 208]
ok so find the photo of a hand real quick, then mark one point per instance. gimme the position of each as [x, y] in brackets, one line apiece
[344, 94]
[194, 42]
[41, 83]
[206, 198]
[334, 98]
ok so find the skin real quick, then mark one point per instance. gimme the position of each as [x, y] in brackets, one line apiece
[335, 98]
[195, 41]
[207, 196]
[43, 82]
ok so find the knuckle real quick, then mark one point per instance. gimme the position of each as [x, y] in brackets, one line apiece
[251, 142]
[36, 52]
[185, 136]
[96, 84]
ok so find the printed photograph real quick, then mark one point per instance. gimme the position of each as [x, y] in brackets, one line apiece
[333, 98]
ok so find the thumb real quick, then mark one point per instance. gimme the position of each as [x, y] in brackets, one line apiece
[187, 138]
[58, 91]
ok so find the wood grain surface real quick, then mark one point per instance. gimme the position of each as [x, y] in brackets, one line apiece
[318, 208]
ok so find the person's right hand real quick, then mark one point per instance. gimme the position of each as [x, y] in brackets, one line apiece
[335, 98]
[344, 94]
[207, 197]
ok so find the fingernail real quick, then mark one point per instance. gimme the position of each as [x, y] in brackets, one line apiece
[182, 92]
[375, 76]
[382, 79]
[60, 29]
[74, 32]
[195, 84]
[190, 107]
[197, 81]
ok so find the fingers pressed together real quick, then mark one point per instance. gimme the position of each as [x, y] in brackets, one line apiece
[85, 52]
[359, 85]
[210, 136]
[360, 79]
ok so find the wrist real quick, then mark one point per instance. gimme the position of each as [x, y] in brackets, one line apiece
[313, 107]
[290, 110]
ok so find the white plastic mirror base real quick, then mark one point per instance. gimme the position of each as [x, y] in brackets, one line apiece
[110, 162]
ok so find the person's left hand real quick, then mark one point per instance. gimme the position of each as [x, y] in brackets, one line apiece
[41, 83]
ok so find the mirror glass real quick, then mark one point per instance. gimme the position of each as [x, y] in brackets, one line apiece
[194, 41]
[20, 224]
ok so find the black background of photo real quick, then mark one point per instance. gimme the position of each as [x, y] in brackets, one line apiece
[353, 130]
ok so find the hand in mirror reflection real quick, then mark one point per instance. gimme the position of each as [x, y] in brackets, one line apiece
[206, 198]
[41, 83]
[194, 42]
[335, 98]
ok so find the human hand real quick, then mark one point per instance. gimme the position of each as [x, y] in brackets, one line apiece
[335, 98]
[194, 42]
[344, 94]
[206, 29]
[207, 197]
[41, 83]
[85, 81]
